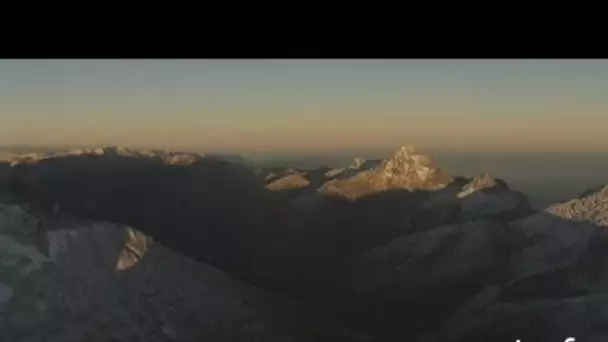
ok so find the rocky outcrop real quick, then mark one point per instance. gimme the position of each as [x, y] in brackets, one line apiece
[107, 282]
[406, 169]
[289, 182]
[358, 165]
[507, 206]
[483, 182]
[592, 207]
[296, 183]
[486, 197]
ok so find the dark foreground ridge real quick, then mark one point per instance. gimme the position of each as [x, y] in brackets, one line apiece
[382, 250]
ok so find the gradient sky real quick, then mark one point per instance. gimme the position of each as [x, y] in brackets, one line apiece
[307, 105]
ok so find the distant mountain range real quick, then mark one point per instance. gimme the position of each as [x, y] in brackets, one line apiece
[116, 244]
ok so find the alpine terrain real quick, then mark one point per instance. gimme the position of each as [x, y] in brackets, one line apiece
[115, 244]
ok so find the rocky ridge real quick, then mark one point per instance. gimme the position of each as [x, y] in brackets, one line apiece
[168, 157]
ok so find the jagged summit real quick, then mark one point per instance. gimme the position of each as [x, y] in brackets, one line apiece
[407, 168]
[404, 158]
[357, 163]
[406, 150]
[408, 163]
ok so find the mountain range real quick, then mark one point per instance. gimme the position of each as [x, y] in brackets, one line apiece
[114, 244]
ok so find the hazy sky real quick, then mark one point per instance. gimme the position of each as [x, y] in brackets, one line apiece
[307, 105]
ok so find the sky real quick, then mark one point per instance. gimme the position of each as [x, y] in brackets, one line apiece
[307, 106]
